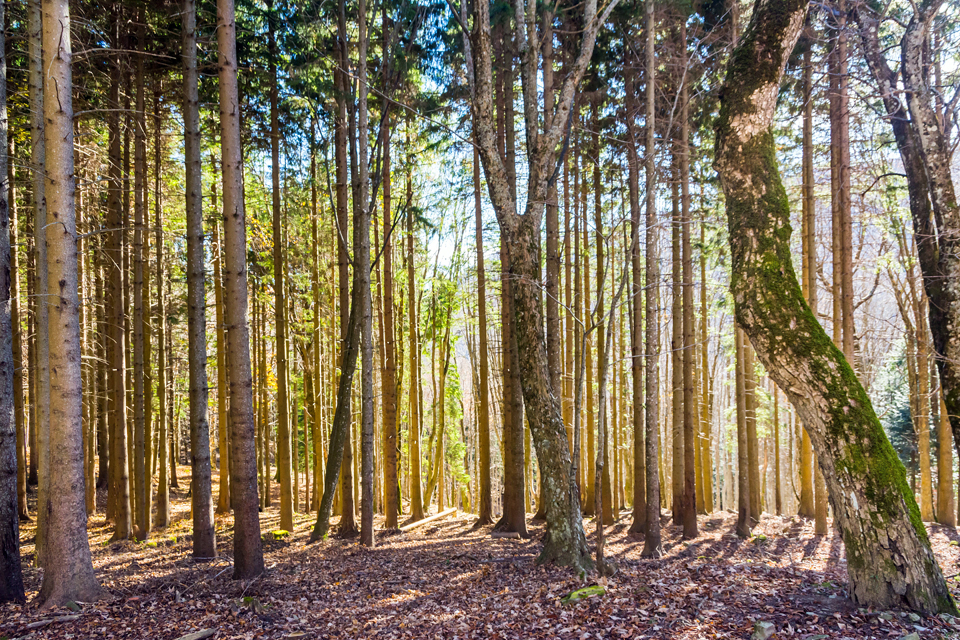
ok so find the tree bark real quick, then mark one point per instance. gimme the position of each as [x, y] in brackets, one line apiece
[204, 533]
[11, 572]
[652, 546]
[890, 562]
[68, 573]
[247, 550]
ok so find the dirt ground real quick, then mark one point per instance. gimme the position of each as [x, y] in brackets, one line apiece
[446, 580]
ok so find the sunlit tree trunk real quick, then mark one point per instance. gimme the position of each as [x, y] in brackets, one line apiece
[68, 571]
[889, 564]
[247, 550]
[204, 533]
[652, 547]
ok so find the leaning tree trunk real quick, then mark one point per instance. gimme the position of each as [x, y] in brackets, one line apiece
[68, 575]
[889, 560]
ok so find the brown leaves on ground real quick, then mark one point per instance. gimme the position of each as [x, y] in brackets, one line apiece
[448, 581]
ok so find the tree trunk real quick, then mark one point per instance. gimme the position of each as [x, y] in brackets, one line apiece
[809, 260]
[744, 523]
[283, 410]
[116, 338]
[416, 496]
[689, 355]
[362, 233]
[15, 329]
[485, 515]
[11, 573]
[37, 159]
[68, 573]
[140, 427]
[889, 563]
[652, 547]
[204, 533]
[247, 550]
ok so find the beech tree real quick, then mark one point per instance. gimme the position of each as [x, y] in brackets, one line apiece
[890, 563]
[566, 543]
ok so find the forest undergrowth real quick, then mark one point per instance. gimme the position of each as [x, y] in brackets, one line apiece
[447, 580]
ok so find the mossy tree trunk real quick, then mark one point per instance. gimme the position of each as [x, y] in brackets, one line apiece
[889, 560]
[565, 540]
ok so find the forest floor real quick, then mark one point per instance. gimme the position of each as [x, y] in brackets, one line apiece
[446, 580]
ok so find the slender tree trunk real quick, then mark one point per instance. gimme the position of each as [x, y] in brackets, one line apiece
[284, 459]
[11, 438]
[15, 328]
[116, 338]
[204, 533]
[140, 428]
[223, 421]
[652, 547]
[890, 564]
[689, 354]
[68, 573]
[809, 282]
[363, 265]
[247, 550]
[483, 405]
[744, 523]
[42, 375]
[416, 497]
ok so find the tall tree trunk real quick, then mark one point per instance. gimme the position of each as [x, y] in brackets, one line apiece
[247, 550]
[140, 427]
[676, 348]
[40, 218]
[68, 573]
[889, 564]
[925, 154]
[223, 421]
[117, 338]
[163, 483]
[566, 543]
[652, 547]
[204, 533]
[689, 353]
[284, 459]
[388, 379]
[15, 328]
[11, 440]
[744, 523]
[809, 259]
[416, 496]
[362, 233]
[485, 515]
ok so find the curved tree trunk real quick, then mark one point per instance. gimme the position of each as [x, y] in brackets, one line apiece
[889, 561]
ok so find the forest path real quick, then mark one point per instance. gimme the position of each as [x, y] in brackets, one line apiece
[449, 581]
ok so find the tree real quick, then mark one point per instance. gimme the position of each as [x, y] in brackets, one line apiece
[891, 563]
[921, 138]
[652, 547]
[247, 550]
[566, 543]
[204, 533]
[68, 573]
[11, 573]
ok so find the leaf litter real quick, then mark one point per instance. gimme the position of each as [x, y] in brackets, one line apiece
[447, 580]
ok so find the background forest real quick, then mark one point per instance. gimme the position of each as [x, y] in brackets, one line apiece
[421, 243]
